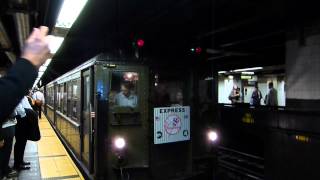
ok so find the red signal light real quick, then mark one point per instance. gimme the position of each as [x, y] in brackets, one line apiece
[140, 43]
[198, 50]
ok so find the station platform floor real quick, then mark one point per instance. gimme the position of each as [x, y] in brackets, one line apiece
[49, 159]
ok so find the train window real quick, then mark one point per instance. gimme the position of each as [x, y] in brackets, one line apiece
[86, 88]
[168, 93]
[49, 97]
[124, 89]
[65, 99]
[60, 98]
[69, 113]
[75, 99]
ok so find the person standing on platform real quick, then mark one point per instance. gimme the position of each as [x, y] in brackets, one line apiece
[256, 96]
[38, 101]
[272, 97]
[21, 137]
[234, 95]
[8, 132]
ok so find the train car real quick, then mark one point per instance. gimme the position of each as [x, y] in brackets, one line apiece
[122, 118]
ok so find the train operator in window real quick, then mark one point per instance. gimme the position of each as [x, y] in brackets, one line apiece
[126, 97]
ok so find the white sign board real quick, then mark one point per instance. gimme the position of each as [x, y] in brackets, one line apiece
[171, 124]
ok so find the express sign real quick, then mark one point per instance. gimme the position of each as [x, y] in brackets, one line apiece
[171, 124]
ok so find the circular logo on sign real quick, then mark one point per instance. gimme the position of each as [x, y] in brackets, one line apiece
[172, 124]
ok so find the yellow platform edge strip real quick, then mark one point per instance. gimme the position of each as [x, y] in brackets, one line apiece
[44, 119]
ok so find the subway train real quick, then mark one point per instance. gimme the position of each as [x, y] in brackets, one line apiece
[124, 118]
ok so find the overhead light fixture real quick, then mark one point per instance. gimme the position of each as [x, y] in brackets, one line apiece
[69, 12]
[222, 72]
[248, 73]
[40, 73]
[208, 79]
[230, 77]
[248, 69]
[42, 68]
[246, 77]
[4, 38]
[55, 43]
[48, 61]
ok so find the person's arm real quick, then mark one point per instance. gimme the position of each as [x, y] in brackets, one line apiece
[15, 85]
[42, 98]
[20, 110]
[23, 73]
[26, 103]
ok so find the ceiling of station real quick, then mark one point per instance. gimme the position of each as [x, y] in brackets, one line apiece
[17, 19]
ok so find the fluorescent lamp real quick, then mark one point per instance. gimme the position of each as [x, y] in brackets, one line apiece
[246, 77]
[248, 73]
[42, 68]
[40, 74]
[46, 64]
[208, 78]
[222, 72]
[69, 12]
[55, 43]
[248, 69]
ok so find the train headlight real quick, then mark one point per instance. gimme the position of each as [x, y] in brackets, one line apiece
[212, 136]
[119, 143]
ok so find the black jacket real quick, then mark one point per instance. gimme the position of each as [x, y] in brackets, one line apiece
[15, 85]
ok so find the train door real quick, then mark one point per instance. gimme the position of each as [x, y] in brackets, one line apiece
[87, 132]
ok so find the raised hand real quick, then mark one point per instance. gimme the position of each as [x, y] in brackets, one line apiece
[36, 49]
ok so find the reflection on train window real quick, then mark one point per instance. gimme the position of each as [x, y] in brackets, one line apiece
[65, 105]
[168, 93]
[60, 97]
[69, 99]
[50, 96]
[75, 99]
[124, 88]
[86, 100]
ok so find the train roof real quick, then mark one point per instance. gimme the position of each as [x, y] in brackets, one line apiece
[103, 59]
